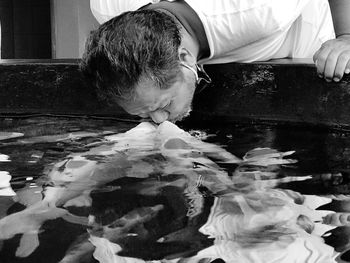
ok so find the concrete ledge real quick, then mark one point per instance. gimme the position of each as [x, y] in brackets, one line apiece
[48, 87]
[279, 91]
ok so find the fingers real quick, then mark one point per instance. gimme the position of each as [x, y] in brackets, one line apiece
[320, 59]
[342, 66]
[333, 64]
[333, 59]
[330, 65]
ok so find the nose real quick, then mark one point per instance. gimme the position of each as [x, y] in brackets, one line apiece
[159, 116]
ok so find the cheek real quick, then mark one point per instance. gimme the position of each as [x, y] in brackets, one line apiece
[182, 100]
[186, 94]
[181, 104]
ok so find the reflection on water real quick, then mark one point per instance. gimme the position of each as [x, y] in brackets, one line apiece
[106, 193]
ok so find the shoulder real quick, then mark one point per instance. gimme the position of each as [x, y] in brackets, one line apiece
[247, 7]
[103, 10]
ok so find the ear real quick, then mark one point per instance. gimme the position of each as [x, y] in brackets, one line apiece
[187, 57]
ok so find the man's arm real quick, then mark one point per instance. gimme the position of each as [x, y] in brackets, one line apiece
[341, 17]
[333, 58]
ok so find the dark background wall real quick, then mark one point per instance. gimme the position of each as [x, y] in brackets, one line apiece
[25, 29]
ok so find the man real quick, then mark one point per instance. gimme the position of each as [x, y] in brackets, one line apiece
[146, 59]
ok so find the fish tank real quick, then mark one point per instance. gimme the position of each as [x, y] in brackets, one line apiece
[244, 186]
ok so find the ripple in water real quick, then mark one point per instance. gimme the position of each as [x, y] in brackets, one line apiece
[157, 193]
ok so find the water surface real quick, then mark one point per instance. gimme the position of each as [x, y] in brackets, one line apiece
[80, 191]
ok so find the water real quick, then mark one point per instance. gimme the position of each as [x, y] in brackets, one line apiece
[82, 192]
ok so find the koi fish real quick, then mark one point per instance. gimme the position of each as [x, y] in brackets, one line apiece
[69, 182]
[145, 150]
[94, 242]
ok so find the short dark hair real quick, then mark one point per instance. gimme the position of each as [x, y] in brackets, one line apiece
[131, 46]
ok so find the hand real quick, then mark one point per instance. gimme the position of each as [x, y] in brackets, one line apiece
[333, 58]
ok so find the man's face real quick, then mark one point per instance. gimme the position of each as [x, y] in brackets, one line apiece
[170, 104]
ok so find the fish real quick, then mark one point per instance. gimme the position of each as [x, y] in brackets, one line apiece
[94, 243]
[167, 154]
[191, 158]
[70, 181]
[28, 223]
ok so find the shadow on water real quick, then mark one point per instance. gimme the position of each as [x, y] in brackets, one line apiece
[100, 191]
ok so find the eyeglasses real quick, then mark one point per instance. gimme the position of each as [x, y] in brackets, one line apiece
[199, 74]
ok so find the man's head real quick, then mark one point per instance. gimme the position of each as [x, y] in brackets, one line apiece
[136, 59]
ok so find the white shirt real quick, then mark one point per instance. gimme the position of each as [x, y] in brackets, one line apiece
[249, 30]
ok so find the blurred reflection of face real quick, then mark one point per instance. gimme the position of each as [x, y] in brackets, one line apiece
[172, 104]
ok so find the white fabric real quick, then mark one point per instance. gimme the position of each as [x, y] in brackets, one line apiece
[104, 10]
[249, 30]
